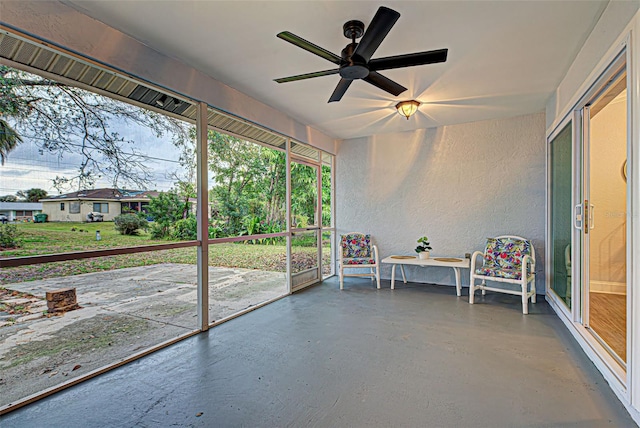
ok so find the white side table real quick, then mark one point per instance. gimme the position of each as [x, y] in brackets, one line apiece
[432, 261]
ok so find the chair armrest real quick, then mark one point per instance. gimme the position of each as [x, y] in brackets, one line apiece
[473, 260]
[375, 253]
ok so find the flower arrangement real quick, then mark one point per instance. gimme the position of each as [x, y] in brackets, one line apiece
[423, 245]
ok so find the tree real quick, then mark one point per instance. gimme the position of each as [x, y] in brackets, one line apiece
[9, 140]
[248, 188]
[8, 198]
[62, 119]
[165, 209]
[32, 195]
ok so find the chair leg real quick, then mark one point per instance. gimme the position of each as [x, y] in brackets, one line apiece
[341, 279]
[525, 300]
[378, 276]
[472, 291]
[533, 290]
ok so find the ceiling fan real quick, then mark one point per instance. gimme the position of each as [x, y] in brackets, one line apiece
[355, 61]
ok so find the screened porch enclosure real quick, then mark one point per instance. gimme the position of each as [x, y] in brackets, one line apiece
[213, 213]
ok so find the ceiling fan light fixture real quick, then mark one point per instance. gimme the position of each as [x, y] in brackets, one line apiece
[407, 108]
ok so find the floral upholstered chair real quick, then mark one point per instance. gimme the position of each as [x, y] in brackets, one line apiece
[356, 251]
[506, 259]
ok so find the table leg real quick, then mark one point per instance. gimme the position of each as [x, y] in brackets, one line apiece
[393, 276]
[458, 286]
[404, 277]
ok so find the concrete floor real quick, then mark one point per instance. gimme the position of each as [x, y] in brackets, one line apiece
[414, 357]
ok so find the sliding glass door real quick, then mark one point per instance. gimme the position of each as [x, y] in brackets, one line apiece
[587, 216]
[605, 220]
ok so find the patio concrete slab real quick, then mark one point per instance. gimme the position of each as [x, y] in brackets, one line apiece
[416, 356]
[121, 312]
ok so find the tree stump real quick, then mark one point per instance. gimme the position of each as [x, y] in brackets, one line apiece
[62, 300]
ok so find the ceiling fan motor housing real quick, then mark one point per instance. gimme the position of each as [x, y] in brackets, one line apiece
[352, 66]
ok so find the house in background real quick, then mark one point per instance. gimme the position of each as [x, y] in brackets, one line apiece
[110, 203]
[20, 211]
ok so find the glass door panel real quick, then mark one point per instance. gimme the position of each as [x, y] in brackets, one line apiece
[561, 154]
[605, 226]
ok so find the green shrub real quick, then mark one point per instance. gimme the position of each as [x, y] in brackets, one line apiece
[159, 231]
[185, 229]
[10, 236]
[129, 224]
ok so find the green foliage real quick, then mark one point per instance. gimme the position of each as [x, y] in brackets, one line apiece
[10, 236]
[304, 191]
[165, 209]
[248, 185]
[215, 231]
[185, 229]
[8, 198]
[326, 195]
[423, 245]
[32, 195]
[130, 224]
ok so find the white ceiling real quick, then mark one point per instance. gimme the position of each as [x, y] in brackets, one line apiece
[505, 57]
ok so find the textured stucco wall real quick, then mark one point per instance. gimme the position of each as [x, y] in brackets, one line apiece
[457, 184]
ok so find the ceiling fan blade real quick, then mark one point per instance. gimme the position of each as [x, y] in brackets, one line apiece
[342, 87]
[307, 75]
[378, 29]
[408, 60]
[384, 83]
[310, 47]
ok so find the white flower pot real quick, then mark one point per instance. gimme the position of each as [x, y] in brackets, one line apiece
[423, 255]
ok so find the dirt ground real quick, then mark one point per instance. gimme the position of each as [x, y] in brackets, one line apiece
[121, 312]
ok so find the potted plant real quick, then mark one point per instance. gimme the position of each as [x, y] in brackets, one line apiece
[423, 248]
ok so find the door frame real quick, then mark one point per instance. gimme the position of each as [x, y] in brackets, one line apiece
[618, 378]
[314, 228]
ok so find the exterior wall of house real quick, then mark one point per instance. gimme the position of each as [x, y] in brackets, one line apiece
[64, 26]
[52, 209]
[456, 184]
[20, 211]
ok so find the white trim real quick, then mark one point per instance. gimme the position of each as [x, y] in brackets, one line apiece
[608, 287]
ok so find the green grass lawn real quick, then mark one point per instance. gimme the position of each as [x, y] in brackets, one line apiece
[52, 238]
